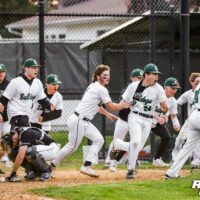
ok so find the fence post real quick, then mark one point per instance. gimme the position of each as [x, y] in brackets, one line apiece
[184, 50]
[41, 7]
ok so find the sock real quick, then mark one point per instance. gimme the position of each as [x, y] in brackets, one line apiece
[87, 163]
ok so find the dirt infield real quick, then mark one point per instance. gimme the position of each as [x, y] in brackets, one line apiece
[17, 191]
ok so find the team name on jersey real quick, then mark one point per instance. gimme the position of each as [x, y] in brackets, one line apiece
[27, 97]
[138, 97]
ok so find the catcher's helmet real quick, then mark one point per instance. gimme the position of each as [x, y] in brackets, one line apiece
[6, 141]
[151, 68]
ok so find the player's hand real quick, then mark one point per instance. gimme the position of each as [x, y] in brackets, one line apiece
[40, 118]
[111, 116]
[176, 127]
[161, 120]
[165, 117]
[53, 107]
[1, 118]
[1, 107]
[125, 104]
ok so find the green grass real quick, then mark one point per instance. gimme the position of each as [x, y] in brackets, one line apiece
[175, 189]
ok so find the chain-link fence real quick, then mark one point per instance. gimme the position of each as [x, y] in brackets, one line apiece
[71, 37]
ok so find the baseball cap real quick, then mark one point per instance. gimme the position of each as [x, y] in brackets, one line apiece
[137, 73]
[52, 79]
[2, 68]
[151, 68]
[172, 82]
[31, 63]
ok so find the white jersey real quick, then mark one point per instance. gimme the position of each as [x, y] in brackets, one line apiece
[196, 100]
[56, 100]
[172, 106]
[94, 96]
[146, 101]
[186, 97]
[22, 96]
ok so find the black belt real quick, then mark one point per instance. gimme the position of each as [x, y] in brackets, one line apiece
[84, 118]
[143, 115]
[199, 109]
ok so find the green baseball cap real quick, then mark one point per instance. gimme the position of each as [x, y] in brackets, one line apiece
[172, 82]
[31, 63]
[52, 79]
[2, 68]
[137, 73]
[151, 68]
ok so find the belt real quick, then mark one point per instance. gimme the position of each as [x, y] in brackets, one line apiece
[143, 114]
[84, 118]
[199, 109]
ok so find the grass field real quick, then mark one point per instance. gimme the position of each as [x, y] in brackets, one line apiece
[175, 189]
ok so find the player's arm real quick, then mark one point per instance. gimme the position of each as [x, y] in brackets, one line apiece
[45, 103]
[175, 122]
[118, 106]
[107, 114]
[47, 116]
[3, 103]
[163, 106]
[19, 160]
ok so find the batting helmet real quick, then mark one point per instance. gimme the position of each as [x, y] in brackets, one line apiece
[137, 73]
[31, 63]
[151, 68]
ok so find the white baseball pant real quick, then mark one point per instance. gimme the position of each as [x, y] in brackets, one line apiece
[139, 128]
[120, 132]
[48, 152]
[182, 136]
[192, 140]
[196, 155]
[77, 129]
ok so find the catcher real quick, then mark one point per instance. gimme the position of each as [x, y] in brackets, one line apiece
[30, 148]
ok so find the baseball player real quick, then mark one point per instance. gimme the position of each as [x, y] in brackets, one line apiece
[121, 126]
[192, 139]
[30, 148]
[42, 118]
[21, 94]
[79, 123]
[144, 96]
[171, 85]
[158, 127]
[187, 97]
[4, 124]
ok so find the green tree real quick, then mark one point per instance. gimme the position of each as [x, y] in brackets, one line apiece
[14, 6]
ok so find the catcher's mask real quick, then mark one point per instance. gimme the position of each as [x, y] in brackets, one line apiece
[6, 142]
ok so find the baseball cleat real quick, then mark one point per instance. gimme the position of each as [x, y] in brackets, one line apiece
[45, 176]
[167, 177]
[88, 171]
[31, 175]
[14, 179]
[130, 174]
[159, 163]
[113, 166]
[194, 167]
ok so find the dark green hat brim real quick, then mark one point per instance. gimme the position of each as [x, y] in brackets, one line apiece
[54, 83]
